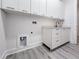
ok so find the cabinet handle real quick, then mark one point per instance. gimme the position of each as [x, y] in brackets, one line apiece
[57, 40]
[10, 8]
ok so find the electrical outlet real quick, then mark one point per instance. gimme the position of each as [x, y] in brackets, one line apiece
[34, 22]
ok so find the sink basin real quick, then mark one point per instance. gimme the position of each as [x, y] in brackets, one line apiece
[59, 23]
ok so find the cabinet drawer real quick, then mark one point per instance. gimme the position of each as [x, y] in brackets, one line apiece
[55, 31]
[55, 35]
[56, 43]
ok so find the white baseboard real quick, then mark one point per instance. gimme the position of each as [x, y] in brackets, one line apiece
[17, 50]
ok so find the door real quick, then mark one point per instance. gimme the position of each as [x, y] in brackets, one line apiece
[9, 4]
[24, 6]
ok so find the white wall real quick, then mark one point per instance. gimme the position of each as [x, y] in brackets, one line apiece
[2, 34]
[71, 18]
[16, 25]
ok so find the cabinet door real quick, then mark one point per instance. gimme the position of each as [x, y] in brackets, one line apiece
[65, 35]
[55, 8]
[38, 7]
[9, 4]
[50, 8]
[35, 7]
[43, 7]
[24, 6]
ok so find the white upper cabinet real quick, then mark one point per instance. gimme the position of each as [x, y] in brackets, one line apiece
[43, 7]
[55, 8]
[9, 4]
[35, 7]
[38, 7]
[24, 6]
[49, 8]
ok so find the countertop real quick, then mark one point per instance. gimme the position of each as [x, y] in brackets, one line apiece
[50, 27]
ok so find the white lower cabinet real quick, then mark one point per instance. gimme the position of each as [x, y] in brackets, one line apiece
[54, 37]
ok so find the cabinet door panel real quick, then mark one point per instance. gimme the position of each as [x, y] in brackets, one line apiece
[43, 7]
[38, 7]
[65, 35]
[9, 4]
[50, 8]
[56, 43]
[35, 7]
[55, 8]
[24, 5]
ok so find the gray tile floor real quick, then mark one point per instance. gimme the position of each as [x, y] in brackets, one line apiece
[68, 51]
